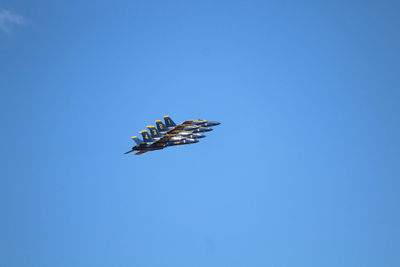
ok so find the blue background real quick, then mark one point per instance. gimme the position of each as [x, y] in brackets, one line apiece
[303, 171]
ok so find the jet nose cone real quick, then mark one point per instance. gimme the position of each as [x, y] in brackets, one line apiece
[213, 123]
[195, 141]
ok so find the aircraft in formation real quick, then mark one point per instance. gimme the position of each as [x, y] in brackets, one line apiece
[171, 134]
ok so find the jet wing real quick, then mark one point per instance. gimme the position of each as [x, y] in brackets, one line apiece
[141, 152]
[186, 123]
[190, 122]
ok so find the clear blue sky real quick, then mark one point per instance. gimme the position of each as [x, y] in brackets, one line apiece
[303, 171]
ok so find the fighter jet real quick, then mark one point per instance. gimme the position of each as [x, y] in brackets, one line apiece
[203, 123]
[171, 134]
[194, 126]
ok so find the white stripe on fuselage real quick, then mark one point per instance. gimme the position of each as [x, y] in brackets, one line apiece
[185, 133]
[177, 138]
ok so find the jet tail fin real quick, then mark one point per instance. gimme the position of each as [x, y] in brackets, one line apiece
[146, 137]
[153, 132]
[137, 140]
[160, 126]
[169, 122]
